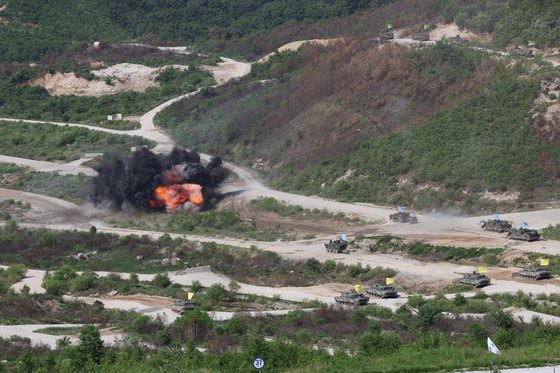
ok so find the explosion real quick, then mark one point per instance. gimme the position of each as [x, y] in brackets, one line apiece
[174, 182]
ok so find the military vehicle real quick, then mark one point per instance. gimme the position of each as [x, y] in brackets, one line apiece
[496, 225]
[402, 216]
[381, 291]
[181, 306]
[337, 246]
[533, 272]
[521, 52]
[524, 234]
[475, 279]
[458, 41]
[353, 298]
[389, 35]
[420, 36]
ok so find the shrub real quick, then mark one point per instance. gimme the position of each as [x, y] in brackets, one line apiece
[161, 280]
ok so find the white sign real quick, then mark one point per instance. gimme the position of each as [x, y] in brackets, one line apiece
[258, 363]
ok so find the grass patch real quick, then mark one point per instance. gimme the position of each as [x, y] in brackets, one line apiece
[54, 330]
[226, 222]
[551, 232]
[283, 209]
[73, 188]
[57, 143]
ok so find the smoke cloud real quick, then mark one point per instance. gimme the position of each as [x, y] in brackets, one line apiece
[133, 180]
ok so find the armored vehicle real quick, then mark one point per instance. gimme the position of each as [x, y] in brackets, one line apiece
[353, 298]
[389, 35]
[403, 217]
[458, 41]
[381, 291]
[475, 279]
[521, 52]
[496, 225]
[524, 234]
[420, 36]
[533, 273]
[181, 306]
[337, 246]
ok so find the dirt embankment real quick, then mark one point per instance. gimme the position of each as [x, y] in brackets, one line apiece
[111, 80]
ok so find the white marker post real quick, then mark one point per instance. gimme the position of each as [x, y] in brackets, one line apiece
[258, 363]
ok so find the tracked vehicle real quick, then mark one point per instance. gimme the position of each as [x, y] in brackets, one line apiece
[182, 306]
[521, 52]
[533, 272]
[389, 35]
[524, 234]
[474, 279]
[403, 217]
[352, 298]
[337, 246]
[458, 41]
[496, 225]
[420, 36]
[381, 291]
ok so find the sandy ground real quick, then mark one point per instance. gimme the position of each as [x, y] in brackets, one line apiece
[451, 30]
[125, 77]
[228, 69]
[295, 45]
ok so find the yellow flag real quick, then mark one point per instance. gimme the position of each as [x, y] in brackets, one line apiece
[190, 295]
[544, 261]
[389, 281]
[358, 287]
[482, 270]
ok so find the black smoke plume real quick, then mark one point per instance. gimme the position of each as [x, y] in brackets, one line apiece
[132, 179]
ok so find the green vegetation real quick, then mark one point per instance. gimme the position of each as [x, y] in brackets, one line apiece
[484, 143]
[273, 205]
[551, 232]
[390, 244]
[55, 330]
[10, 207]
[512, 21]
[393, 342]
[226, 222]
[34, 30]
[52, 250]
[10, 276]
[10, 168]
[51, 142]
[20, 100]
[73, 188]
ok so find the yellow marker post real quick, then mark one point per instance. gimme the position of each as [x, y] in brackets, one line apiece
[358, 288]
[482, 270]
[544, 261]
[389, 281]
[190, 295]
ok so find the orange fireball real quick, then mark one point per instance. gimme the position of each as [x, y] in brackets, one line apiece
[174, 196]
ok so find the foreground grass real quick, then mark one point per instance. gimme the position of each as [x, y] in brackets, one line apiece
[209, 223]
[283, 209]
[49, 142]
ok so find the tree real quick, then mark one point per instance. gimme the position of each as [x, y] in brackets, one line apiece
[91, 345]
[161, 280]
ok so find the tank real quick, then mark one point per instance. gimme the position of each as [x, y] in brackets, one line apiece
[352, 298]
[381, 291]
[336, 246]
[389, 35]
[475, 279]
[181, 306]
[524, 234]
[521, 52]
[496, 225]
[533, 273]
[458, 41]
[420, 36]
[403, 217]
